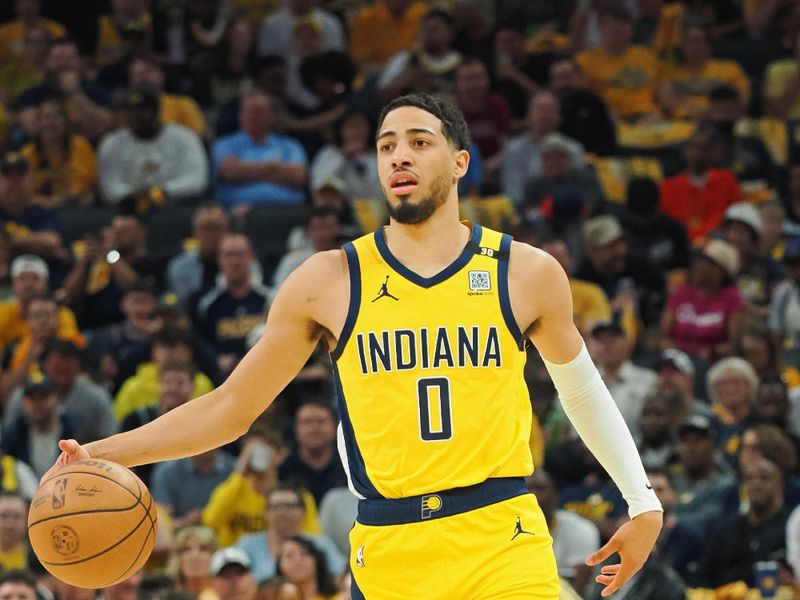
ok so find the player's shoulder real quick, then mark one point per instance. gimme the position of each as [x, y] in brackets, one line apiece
[528, 261]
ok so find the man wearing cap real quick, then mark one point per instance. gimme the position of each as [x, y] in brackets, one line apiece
[700, 482]
[623, 277]
[759, 273]
[233, 578]
[521, 160]
[31, 229]
[29, 280]
[276, 30]
[147, 160]
[33, 436]
[675, 383]
[784, 315]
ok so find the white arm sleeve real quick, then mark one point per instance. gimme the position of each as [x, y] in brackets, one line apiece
[592, 411]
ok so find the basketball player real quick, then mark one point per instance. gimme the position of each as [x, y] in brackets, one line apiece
[427, 321]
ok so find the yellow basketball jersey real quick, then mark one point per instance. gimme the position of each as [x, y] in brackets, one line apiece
[429, 372]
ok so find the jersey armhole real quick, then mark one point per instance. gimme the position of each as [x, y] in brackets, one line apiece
[354, 270]
[505, 298]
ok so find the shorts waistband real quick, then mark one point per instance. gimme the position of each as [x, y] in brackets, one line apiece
[398, 511]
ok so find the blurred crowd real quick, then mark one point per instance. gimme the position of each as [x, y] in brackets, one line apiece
[166, 164]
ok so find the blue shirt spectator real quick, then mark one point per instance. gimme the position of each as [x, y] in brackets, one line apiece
[255, 165]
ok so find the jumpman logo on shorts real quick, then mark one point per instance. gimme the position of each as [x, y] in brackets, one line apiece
[384, 291]
[519, 530]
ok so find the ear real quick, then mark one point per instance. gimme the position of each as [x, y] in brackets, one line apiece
[460, 163]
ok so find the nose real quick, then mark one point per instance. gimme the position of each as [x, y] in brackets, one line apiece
[401, 155]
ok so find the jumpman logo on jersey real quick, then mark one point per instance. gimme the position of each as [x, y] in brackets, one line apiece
[384, 291]
[519, 530]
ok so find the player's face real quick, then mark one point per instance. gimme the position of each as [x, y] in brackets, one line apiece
[416, 164]
[16, 590]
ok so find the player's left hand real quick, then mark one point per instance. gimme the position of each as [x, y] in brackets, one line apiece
[633, 541]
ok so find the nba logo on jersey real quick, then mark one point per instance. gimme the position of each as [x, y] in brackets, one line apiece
[430, 504]
[479, 281]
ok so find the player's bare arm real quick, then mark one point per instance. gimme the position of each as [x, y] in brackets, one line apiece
[310, 306]
[542, 303]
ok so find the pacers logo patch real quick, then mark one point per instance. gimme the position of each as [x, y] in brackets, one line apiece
[479, 281]
[430, 505]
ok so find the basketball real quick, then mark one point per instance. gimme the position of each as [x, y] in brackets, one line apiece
[92, 523]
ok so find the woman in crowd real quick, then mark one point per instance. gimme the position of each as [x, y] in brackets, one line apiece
[190, 563]
[758, 346]
[304, 569]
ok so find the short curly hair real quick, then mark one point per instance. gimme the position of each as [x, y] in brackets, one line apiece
[454, 126]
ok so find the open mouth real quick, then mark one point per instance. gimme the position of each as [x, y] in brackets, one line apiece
[403, 183]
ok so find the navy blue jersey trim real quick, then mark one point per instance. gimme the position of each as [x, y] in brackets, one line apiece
[355, 591]
[355, 300]
[444, 274]
[505, 299]
[355, 460]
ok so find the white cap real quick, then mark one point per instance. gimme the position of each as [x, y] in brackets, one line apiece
[746, 213]
[229, 556]
[29, 263]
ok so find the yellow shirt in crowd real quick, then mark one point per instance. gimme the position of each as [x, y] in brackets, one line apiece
[183, 110]
[627, 81]
[13, 327]
[375, 36]
[12, 38]
[110, 47]
[780, 74]
[72, 175]
[695, 86]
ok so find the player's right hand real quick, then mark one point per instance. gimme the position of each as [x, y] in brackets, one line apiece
[70, 452]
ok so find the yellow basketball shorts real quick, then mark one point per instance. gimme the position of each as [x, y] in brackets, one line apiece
[501, 551]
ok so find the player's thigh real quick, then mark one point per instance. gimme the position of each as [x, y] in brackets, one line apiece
[397, 562]
[502, 551]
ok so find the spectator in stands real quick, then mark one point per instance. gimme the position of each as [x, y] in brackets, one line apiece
[676, 384]
[18, 585]
[285, 513]
[678, 545]
[190, 563]
[31, 229]
[584, 114]
[255, 165]
[277, 29]
[147, 161]
[314, 462]
[622, 275]
[687, 85]
[14, 545]
[625, 75]
[173, 108]
[574, 538]
[233, 579]
[87, 403]
[33, 436]
[559, 172]
[521, 158]
[323, 229]
[704, 317]
[13, 34]
[29, 280]
[514, 72]
[784, 316]
[224, 313]
[656, 440]
[700, 482]
[135, 42]
[629, 384]
[430, 66]
[88, 104]
[170, 345]
[773, 406]
[183, 487]
[197, 268]
[759, 347]
[736, 544]
[62, 163]
[108, 265]
[127, 589]
[732, 386]
[350, 157]
[782, 87]
[116, 343]
[17, 76]
[589, 303]
[110, 45]
[238, 505]
[746, 155]
[487, 113]
[699, 196]
[649, 232]
[303, 565]
[759, 273]
[232, 62]
[379, 31]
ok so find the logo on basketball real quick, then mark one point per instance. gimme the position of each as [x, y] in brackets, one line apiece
[80, 490]
[59, 493]
[65, 540]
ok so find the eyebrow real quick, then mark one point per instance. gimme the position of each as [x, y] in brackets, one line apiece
[412, 130]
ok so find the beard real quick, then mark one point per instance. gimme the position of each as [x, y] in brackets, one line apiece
[410, 213]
